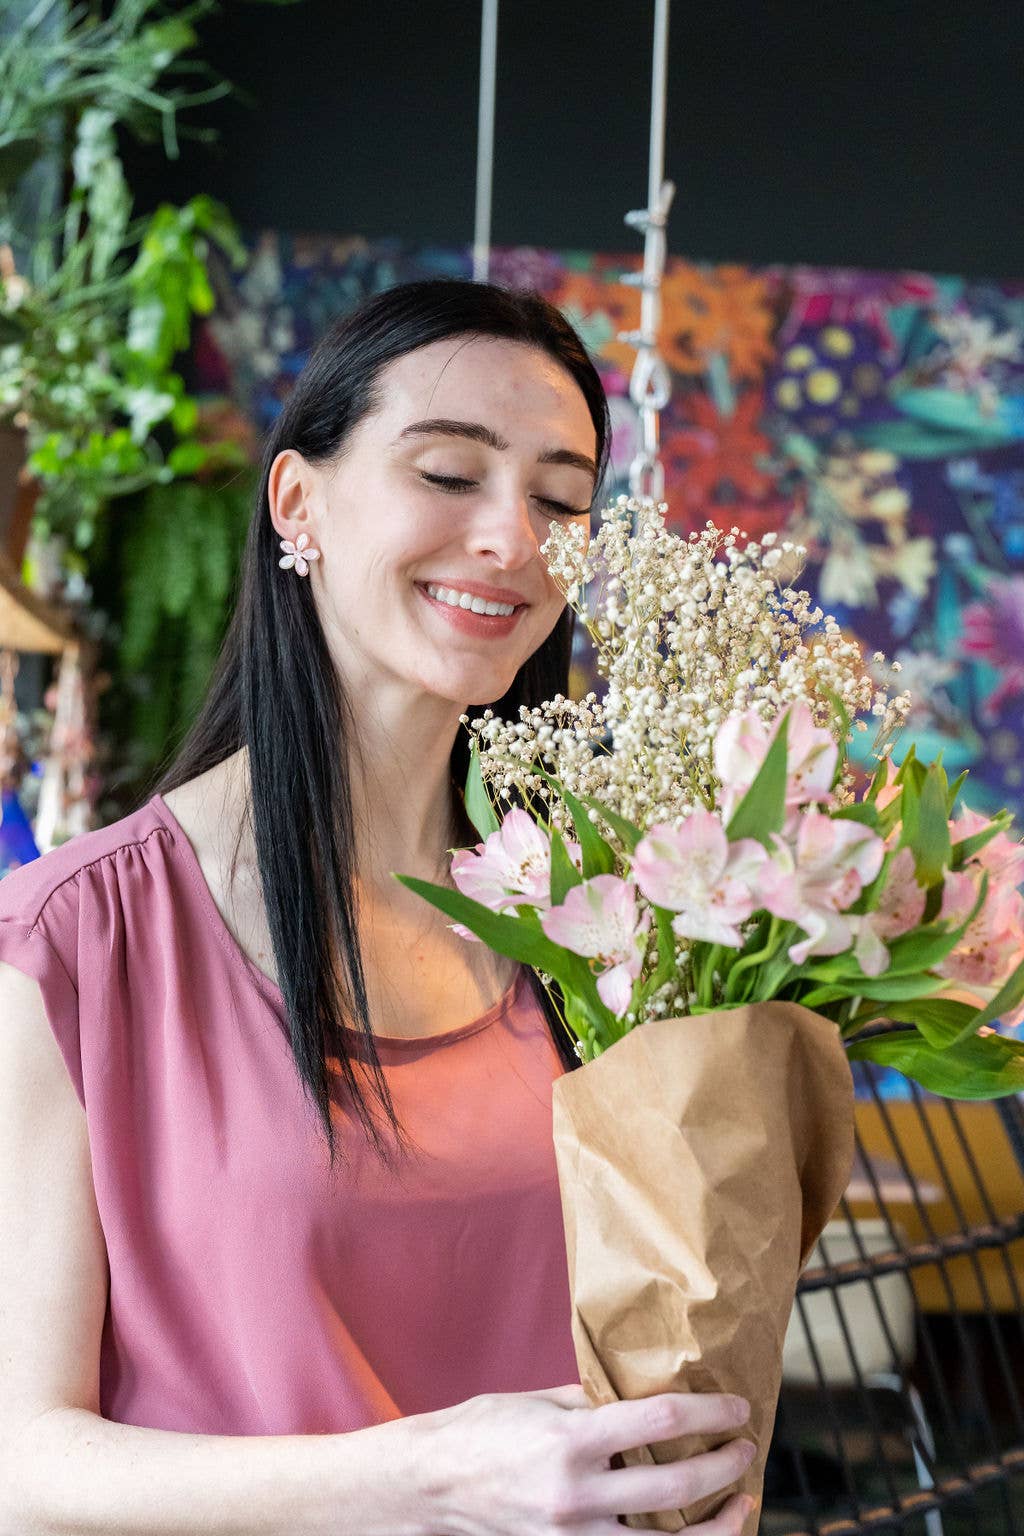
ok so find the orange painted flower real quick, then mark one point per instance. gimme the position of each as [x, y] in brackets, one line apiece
[600, 308]
[712, 450]
[725, 311]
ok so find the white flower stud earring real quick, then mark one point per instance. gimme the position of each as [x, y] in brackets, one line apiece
[298, 554]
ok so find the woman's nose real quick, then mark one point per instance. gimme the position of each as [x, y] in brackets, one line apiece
[508, 531]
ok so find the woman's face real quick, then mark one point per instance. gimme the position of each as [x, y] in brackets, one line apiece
[478, 447]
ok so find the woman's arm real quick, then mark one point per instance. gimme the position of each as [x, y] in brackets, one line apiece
[64, 1470]
[75, 1473]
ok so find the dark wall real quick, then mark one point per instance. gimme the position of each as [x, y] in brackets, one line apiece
[872, 133]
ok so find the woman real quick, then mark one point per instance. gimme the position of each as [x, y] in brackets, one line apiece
[230, 1299]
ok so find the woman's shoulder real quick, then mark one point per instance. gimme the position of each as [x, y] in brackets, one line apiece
[125, 855]
[32, 890]
[56, 931]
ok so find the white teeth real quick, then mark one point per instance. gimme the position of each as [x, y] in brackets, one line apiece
[466, 600]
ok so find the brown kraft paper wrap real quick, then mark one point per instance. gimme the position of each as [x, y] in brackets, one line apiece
[698, 1160]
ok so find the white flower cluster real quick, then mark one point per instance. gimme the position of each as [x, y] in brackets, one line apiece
[687, 632]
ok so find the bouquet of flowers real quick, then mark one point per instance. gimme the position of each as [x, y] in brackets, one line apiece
[692, 855]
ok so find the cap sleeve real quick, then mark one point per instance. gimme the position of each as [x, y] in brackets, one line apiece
[26, 948]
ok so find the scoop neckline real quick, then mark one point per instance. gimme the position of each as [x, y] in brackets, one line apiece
[272, 992]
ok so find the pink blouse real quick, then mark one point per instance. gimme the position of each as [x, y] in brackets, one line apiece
[250, 1294]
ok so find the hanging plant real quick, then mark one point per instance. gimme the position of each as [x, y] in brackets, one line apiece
[92, 323]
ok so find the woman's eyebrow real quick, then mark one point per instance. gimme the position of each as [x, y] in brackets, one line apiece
[478, 433]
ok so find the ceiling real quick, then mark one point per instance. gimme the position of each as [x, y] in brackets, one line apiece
[859, 134]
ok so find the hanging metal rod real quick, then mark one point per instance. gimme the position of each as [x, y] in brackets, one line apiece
[650, 385]
[485, 140]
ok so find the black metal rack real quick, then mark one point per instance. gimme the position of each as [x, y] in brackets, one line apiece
[898, 1414]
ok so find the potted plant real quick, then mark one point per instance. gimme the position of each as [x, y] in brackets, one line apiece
[102, 304]
[96, 306]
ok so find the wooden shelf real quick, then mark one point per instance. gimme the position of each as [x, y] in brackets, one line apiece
[27, 621]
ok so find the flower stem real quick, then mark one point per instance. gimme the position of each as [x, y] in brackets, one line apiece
[746, 961]
[706, 984]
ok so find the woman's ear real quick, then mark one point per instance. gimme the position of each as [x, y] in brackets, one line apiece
[291, 487]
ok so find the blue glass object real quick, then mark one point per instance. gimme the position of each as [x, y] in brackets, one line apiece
[17, 845]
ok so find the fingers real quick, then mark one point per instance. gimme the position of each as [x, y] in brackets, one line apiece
[729, 1520]
[648, 1490]
[571, 1396]
[631, 1422]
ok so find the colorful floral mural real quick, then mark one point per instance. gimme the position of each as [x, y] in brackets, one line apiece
[877, 418]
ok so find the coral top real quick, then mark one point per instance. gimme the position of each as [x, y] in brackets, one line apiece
[250, 1294]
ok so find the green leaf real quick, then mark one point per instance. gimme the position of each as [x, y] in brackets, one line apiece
[521, 941]
[666, 946]
[923, 948]
[862, 811]
[163, 39]
[508, 935]
[762, 809]
[967, 847]
[890, 815]
[910, 769]
[214, 219]
[564, 874]
[200, 293]
[926, 827]
[1005, 1001]
[954, 790]
[598, 855]
[841, 715]
[986, 1067]
[878, 778]
[910, 805]
[940, 1019]
[478, 804]
[628, 834]
[820, 997]
[879, 989]
[186, 458]
[184, 419]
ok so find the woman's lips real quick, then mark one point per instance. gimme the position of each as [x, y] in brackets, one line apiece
[494, 625]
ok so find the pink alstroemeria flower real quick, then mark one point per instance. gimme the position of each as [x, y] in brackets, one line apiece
[992, 946]
[813, 883]
[742, 744]
[695, 871]
[1002, 856]
[900, 908]
[598, 919]
[512, 868]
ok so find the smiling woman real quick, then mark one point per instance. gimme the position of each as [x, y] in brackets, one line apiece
[425, 449]
[213, 1266]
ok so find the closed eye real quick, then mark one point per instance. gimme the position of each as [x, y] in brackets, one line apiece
[458, 486]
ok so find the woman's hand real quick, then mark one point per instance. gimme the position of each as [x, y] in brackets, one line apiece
[539, 1463]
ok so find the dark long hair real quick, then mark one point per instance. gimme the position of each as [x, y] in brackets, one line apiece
[301, 811]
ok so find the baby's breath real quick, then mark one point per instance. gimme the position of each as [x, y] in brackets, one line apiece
[687, 632]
